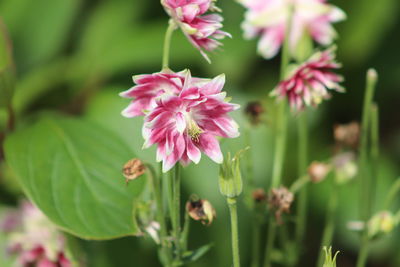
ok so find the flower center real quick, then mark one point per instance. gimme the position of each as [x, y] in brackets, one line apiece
[193, 130]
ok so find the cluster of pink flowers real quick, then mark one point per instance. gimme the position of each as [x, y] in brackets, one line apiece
[268, 19]
[34, 238]
[183, 115]
[203, 31]
[308, 83]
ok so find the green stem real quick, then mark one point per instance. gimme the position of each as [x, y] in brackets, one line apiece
[258, 212]
[299, 184]
[167, 43]
[234, 231]
[374, 151]
[394, 190]
[366, 199]
[156, 188]
[185, 232]
[270, 242]
[177, 207]
[329, 228]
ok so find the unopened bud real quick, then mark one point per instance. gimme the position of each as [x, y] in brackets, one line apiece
[133, 169]
[254, 111]
[330, 261]
[259, 195]
[318, 171]
[381, 223]
[347, 134]
[200, 210]
[279, 200]
[230, 178]
[345, 167]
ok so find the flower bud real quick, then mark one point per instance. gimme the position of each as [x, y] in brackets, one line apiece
[381, 223]
[345, 167]
[318, 171]
[329, 261]
[133, 169]
[254, 111]
[230, 178]
[200, 210]
[279, 200]
[347, 134]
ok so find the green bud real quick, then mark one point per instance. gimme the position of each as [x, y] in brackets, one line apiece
[329, 261]
[230, 178]
[381, 223]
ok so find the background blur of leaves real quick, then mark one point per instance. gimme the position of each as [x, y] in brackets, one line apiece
[75, 56]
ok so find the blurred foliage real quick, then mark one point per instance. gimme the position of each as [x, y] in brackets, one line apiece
[74, 56]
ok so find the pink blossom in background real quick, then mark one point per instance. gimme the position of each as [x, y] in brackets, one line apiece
[186, 124]
[308, 84]
[34, 239]
[268, 19]
[203, 31]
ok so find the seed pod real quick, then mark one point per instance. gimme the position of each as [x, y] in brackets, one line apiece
[133, 169]
[259, 195]
[200, 210]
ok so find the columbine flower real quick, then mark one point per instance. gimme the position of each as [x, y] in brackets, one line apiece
[203, 31]
[182, 125]
[268, 18]
[309, 83]
[35, 240]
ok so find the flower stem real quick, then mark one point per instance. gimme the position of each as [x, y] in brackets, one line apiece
[177, 207]
[167, 43]
[156, 188]
[302, 167]
[185, 232]
[329, 228]
[394, 190]
[270, 242]
[234, 230]
[365, 177]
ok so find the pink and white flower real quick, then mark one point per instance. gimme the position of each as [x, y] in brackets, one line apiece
[35, 240]
[268, 19]
[308, 84]
[189, 122]
[203, 31]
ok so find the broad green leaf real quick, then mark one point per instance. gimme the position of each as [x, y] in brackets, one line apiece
[71, 170]
[6, 67]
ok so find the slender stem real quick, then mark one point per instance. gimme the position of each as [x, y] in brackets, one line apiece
[185, 232]
[156, 188]
[329, 228]
[234, 231]
[167, 43]
[299, 183]
[366, 199]
[177, 207]
[281, 131]
[258, 214]
[374, 151]
[394, 190]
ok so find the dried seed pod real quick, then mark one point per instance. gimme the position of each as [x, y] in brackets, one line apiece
[133, 169]
[347, 134]
[259, 195]
[200, 210]
[254, 111]
[280, 200]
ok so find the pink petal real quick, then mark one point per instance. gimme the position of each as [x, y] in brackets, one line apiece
[210, 146]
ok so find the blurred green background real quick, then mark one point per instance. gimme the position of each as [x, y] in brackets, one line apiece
[75, 56]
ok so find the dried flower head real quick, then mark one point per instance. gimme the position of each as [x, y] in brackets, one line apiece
[259, 195]
[347, 134]
[318, 171]
[202, 30]
[133, 169]
[308, 84]
[279, 200]
[200, 210]
[254, 111]
[268, 19]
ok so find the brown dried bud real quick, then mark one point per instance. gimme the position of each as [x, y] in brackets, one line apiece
[254, 110]
[280, 200]
[318, 171]
[200, 210]
[347, 134]
[133, 169]
[259, 195]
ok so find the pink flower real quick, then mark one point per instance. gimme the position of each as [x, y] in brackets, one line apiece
[203, 31]
[268, 19]
[35, 240]
[185, 124]
[309, 83]
[150, 87]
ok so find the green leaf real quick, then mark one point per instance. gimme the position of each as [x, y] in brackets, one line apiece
[191, 256]
[71, 170]
[6, 67]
